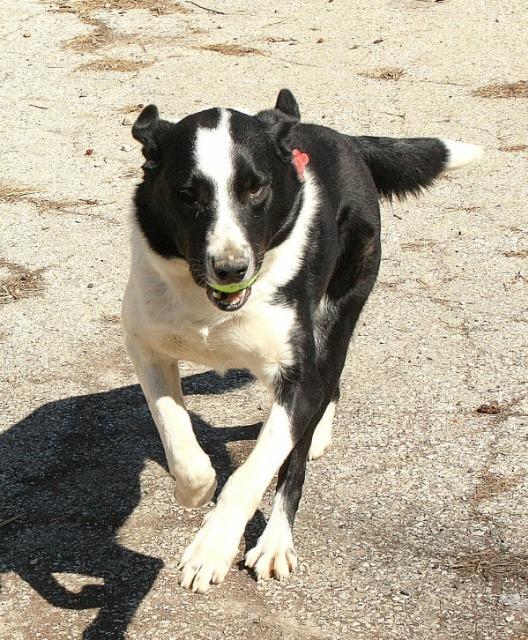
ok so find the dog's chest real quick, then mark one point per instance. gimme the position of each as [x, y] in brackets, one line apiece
[258, 337]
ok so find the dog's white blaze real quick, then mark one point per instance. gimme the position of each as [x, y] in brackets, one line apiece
[461, 153]
[213, 154]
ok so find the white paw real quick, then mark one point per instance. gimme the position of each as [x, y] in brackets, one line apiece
[208, 558]
[195, 482]
[322, 436]
[273, 555]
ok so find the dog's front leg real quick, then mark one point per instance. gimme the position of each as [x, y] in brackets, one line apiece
[188, 464]
[208, 558]
[274, 554]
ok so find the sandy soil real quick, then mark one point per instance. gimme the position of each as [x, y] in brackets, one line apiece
[415, 523]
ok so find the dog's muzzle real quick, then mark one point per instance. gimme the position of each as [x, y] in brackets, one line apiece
[232, 296]
[230, 275]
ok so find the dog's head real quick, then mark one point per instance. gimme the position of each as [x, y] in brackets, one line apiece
[219, 190]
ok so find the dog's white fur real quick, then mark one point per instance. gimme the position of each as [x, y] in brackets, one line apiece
[213, 157]
[322, 436]
[461, 153]
[209, 556]
[274, 553]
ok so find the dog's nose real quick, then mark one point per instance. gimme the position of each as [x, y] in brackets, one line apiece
[227, 270]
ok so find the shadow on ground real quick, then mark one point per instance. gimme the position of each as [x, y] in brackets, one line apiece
[71, 471]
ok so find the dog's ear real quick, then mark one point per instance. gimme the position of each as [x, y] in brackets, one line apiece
[284, 123]
[148, 129]
[281, 134]
[286, 108]
[287, 103]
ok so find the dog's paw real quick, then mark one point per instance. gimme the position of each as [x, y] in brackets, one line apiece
[273, 555]
[322, 436]
[208, 558]
[195, 484]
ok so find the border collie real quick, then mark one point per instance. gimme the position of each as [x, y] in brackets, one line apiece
[255, 245]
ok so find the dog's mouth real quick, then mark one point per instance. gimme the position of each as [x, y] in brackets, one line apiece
[228, 301]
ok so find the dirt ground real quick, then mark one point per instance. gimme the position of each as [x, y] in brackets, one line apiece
[414, 525]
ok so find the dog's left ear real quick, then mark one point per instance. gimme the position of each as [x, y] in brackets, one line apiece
[148, 129]
[281, 134]
[287, 103]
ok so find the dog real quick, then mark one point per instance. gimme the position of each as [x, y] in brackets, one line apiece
[255, 245]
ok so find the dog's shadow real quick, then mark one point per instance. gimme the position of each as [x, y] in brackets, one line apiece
[69, 474]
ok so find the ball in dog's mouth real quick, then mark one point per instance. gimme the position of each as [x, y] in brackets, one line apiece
[228, 301]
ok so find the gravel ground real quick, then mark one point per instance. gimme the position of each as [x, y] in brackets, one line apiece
[414, 525]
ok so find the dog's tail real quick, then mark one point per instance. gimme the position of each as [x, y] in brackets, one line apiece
[404, 166]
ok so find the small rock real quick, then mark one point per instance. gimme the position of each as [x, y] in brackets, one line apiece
[83, 94]
[34, 561]
[126, 121]
[126, 147]
[26, 35]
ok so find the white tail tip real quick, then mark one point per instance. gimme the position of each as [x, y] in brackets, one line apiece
[461, 153]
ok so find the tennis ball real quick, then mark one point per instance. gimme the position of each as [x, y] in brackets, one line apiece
[235, 286]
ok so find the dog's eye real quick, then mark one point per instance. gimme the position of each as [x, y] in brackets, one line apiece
[257, 191]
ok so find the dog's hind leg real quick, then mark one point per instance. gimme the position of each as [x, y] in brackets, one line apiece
[322, 436]
[274, 554]
[188, 463]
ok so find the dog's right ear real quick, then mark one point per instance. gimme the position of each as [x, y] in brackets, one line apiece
[287, 103]
[147, 129]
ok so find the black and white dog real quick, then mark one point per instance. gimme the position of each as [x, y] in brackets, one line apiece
[255, 245]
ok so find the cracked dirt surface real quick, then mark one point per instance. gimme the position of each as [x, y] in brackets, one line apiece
[414, 525]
